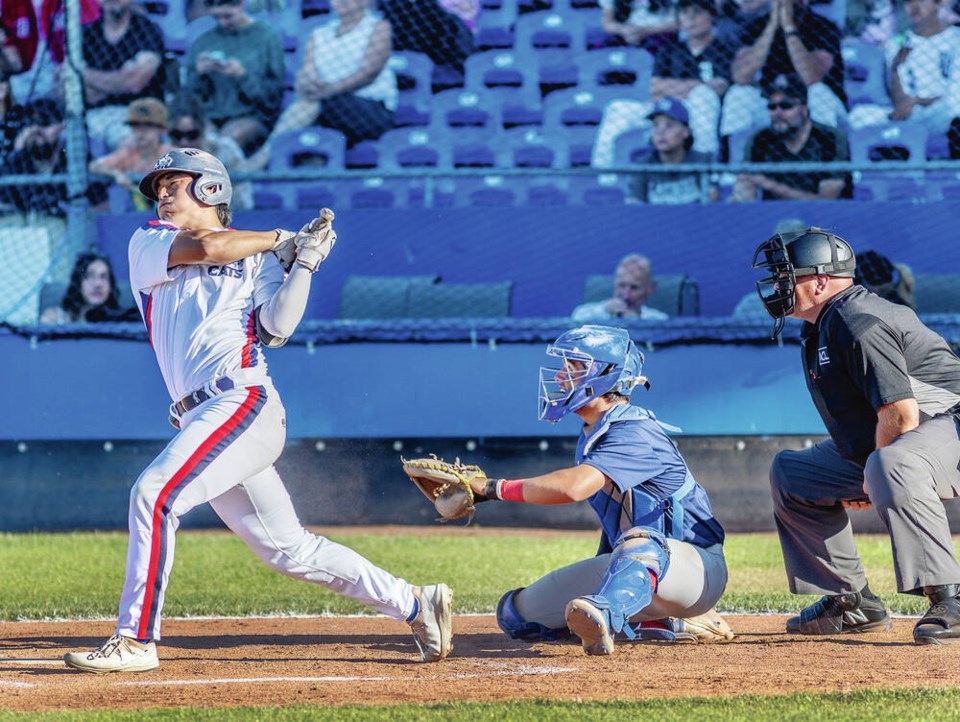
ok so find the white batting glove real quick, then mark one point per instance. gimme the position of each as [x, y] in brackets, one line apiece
[285, 248]
[315, 241]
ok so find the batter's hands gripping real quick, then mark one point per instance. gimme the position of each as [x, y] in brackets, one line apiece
[317, 237]
[446, 485]
[315, 241]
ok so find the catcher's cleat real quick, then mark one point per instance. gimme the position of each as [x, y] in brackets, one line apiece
[118, 654]
[841, 614]
[941, 623]
[591, 624]
[433, 627]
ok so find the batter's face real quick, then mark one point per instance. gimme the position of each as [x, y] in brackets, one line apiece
[95, 286]
[175, 202]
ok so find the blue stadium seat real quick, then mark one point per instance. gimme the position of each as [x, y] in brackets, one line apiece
[529, 148]
[865, 73]
[495, 26]
[631, 68]
[500, 69]
[629, 145]
[414, 72]
[362, 156]
[486, 191]
[373, 192]
[414, 148]
[456, 109]
[579, 107]
[892, 141]
[554, 44]
[577, 144]
[738, 144]
[605, 189]
[315, 8]
[547, 194]
[315, 194]
[471, 147]
[310, 146]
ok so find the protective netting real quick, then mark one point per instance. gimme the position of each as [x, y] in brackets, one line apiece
[428, 105]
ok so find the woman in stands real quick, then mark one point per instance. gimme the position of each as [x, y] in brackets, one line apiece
[344, 82]
[91, 296]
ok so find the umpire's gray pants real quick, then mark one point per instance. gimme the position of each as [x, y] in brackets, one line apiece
[907, 482]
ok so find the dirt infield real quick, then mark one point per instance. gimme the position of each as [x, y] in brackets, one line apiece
[369, 660]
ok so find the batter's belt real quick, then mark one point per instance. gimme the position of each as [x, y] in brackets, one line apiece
[205, 393]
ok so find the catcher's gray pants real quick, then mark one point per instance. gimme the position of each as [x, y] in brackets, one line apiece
[692, 585]
[907, 482]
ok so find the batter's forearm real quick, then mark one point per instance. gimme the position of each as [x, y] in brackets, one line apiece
[281, 315]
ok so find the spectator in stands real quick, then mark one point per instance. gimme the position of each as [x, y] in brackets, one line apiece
[122, 55]
[442, 29]
[924, 73]
[11, 117]
[19, 36]
[793, 137]
[888, 279]
[672, 143]
[633, 285]
[147, 118]
[188, 129]
[735, 15]
[344, 82]
[91, 296]
[695, 69]
[235, 72]
[38, 150]
[645, 23]
[787, 39]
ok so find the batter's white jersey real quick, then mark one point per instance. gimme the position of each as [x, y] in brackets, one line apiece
[200, 318]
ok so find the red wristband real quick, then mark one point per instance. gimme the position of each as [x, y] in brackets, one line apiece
[510, 489]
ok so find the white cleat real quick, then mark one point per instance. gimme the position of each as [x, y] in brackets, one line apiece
[118, 654]
[433, 627]
[590, 624]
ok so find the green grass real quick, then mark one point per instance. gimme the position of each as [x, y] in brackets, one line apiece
[80, 574]
[942, 705]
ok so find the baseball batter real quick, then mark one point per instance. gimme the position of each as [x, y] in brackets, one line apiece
[660, 569]
[211, 298]
[888, 391]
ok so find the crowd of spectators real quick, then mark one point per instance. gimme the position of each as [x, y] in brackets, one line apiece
[732, 80]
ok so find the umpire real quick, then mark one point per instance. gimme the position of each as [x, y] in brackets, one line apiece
[888, 391]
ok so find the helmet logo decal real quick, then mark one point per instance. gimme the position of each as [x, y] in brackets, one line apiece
[164, 162]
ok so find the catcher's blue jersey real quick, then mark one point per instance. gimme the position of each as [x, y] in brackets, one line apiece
[652, 486]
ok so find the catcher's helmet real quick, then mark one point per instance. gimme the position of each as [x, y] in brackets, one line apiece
[611, 362]
[212, 185]
[800, 253]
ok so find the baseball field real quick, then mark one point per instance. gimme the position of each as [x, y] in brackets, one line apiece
[242, 642]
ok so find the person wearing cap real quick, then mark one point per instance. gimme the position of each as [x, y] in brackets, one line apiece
[147, 119]
[793, 137]
[646, 23]
[672, 144]
[788, 39]
[39, 150]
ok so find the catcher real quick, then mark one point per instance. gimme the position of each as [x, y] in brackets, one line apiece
[660, 568]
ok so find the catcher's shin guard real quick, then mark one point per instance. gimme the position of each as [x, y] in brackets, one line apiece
[639, 557]
[516, 627]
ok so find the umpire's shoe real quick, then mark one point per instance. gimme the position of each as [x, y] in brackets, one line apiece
[118, 654]
[941, 623]
[433, 627]
[842, 614]
[592, 624]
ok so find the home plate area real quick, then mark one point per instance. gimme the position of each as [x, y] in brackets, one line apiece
[373, 660]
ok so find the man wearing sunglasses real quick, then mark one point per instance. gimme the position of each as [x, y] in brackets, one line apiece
[792, 137]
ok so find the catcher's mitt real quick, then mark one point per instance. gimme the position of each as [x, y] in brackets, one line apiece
[446, 485]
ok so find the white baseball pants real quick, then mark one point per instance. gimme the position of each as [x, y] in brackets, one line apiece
[224, 454]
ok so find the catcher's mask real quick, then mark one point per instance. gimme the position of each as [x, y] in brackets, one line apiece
[787, 256]
[605, 360]
[212, 185]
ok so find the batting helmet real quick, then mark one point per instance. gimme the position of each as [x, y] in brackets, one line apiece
[611, 362]
[212, 185]
[810, 252]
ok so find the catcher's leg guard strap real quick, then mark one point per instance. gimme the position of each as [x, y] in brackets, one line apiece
[516, 627]
[639, 557]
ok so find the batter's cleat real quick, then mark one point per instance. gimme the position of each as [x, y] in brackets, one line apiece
[591, 624]
[118, 654]
[941, 623]
[841, 614]
[433, 627]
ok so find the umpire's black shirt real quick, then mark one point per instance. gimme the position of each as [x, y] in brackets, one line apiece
[864, 352]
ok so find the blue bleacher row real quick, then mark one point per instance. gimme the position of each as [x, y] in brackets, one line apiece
[531, 97]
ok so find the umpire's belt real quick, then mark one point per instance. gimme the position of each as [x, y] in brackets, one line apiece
[193, 400]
